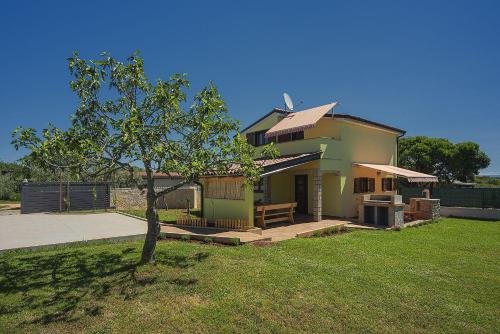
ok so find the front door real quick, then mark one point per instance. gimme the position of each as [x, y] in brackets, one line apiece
[301, 193]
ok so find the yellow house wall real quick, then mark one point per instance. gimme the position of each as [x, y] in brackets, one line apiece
[331, 194]
[358, 143]
[214, 208]
[342, 143]
[326, 127]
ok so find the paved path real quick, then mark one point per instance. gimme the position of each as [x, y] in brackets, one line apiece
[286, 232]
[40, 229]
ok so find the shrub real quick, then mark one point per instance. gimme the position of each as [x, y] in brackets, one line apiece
[208, 240]
[185, 237]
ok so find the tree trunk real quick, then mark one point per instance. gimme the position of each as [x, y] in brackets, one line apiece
[148, 250]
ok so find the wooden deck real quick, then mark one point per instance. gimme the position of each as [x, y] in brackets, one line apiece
[304, 226]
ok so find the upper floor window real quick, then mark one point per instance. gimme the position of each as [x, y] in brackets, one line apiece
[258, 138]
[291, 136]
[387, 184]
[364, 185]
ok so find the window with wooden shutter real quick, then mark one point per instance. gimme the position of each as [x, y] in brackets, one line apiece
[371, 185]
[388, 184]
[364, 185]
[298, 135]
[251, 138]
[260, 138]
[284, 138]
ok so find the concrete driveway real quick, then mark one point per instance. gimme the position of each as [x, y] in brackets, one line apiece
[41, 229]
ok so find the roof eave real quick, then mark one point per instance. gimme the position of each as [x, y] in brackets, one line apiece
[366, 121]
[275, 110]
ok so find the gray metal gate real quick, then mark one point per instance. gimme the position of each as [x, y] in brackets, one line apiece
[54, 197]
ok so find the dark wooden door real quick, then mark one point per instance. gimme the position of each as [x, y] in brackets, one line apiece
[301, 193]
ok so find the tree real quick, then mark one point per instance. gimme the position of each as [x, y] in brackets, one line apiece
[468, 160]
[427, 155]
[139, 122]
[11, 176]
[440, 157]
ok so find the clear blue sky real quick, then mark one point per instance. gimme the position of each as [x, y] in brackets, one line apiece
[430, 67]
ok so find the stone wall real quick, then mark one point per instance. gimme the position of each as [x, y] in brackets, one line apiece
[427, 208]
[128, 199]
[134, 199]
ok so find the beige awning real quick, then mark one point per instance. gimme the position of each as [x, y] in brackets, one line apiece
[410, 175]
[300, 120]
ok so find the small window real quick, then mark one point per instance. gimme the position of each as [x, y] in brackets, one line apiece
[257, 138]
[291, 136]
[260, 138]
[284, 138]
[364, 185]
[298, 135]
[251, 138]
[258, 187]
[387, 184]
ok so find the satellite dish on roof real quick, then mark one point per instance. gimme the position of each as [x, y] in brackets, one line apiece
[288, 101]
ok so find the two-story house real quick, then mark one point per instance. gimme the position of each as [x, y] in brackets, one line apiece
[327, 160]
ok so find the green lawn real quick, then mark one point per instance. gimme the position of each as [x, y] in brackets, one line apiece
[442, 277]
[167, 216]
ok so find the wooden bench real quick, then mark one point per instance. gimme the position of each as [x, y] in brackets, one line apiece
[272, 213]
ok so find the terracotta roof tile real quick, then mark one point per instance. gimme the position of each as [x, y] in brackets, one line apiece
[269, 164]
[159, 175]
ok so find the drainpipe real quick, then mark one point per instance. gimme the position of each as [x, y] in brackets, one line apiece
[201, 194]
[397, 148]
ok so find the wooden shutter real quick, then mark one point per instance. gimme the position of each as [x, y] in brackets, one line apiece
[284, 138]
[371, 185]
[251, 138]
[387, 184]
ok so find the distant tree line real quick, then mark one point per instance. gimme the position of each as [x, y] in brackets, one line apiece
[442, 158]
[12, 175]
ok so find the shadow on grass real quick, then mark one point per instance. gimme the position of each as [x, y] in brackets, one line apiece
[67, 285]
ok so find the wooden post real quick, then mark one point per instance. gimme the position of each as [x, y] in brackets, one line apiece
[290, 215]
[262, 221]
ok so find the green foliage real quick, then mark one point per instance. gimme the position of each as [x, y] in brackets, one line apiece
[440, 157]
[487, 181]
[11, 176]
[468, 160]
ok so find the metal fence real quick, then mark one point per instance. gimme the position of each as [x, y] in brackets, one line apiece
[54, 197]
[459, 197]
